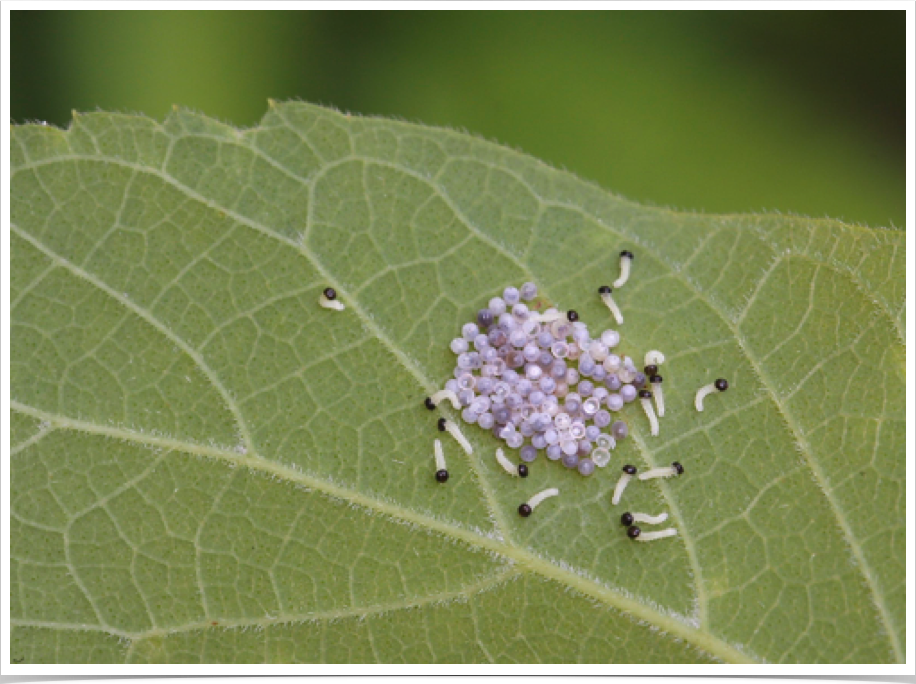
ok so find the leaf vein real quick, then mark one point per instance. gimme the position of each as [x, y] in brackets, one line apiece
[153, 321]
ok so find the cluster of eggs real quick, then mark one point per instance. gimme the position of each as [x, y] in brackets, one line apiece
[540, 381]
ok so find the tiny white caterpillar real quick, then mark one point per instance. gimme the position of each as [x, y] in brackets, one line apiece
[645, 398]
[719, 385]
[433, 401]
[656, 382]
[630, 518]
[446, 425]
[520, 470]
[526, 508]
[548, 316]
[668, 471]
[654, 358]
[328, 299]
[637, 534]
[606, 297]
[628, 472]
[625, 259]
[441, 470]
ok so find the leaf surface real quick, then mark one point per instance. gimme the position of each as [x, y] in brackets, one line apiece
[209, 467]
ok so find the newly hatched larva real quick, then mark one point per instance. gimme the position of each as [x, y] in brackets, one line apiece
[634, 532]
[441, 470]
[628, 519]
[433, 401]
[656, 381]
[668, 471]
[628, 472]
[645, 398]
[328, 299]
[605, 292]
[516, 471]
[526, 508]
[548, 316]
[654, 358]
[446, 425]
[625, 259]
[719, 385]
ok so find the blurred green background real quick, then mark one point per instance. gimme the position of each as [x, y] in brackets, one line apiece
[715, 111]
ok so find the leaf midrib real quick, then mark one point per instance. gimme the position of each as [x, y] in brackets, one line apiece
[521, 558]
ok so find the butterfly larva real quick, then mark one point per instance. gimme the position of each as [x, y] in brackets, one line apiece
[656, 382]
[628, 518]
[645, 398]
[526, 508]
[433, 401]
[668, 471]
[625, 259]
[516, 471]
[608, 300]
[719, 385]
[328, 299]
[445, 425]
[628, 472]
[654, 358]
[634, 532]
[441, 470]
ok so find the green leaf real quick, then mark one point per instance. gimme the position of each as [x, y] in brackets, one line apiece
[207, 466]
